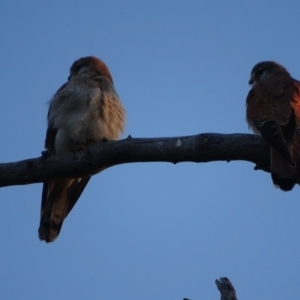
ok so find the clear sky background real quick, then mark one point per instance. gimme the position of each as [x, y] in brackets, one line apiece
[153, 230]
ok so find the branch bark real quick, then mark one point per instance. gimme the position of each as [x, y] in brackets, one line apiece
[226, 289]
[205, 147]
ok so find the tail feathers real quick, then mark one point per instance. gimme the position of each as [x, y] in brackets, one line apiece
[54, 209]
[49, 228]
[58, 199]
[283, 173]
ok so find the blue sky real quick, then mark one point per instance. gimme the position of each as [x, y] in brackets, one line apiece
[152, 230]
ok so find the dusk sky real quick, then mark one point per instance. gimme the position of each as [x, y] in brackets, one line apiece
[149, 230]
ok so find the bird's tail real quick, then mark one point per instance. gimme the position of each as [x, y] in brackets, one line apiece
[58, 199]
[53, 210]
[283, 173]
[49, 228]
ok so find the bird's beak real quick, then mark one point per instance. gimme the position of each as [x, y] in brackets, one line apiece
[251, 81]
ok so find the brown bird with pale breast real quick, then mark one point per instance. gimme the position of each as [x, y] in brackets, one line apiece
[85, 109]
[273, 111]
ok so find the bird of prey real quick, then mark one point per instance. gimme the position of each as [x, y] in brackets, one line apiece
[85, 109]
[273, 111]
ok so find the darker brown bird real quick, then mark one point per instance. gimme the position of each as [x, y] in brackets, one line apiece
[273, 111]
[85, 109]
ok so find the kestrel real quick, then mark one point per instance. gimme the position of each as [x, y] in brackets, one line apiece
[273, 111]
[85, 109]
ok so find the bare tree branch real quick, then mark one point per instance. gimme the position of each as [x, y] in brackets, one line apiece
[205, 147]
[226, 289]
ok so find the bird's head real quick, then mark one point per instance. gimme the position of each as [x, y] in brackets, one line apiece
[266, 69]
[90, 64]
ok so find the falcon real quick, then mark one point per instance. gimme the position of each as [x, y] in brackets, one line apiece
[273, 111]
[85, 110]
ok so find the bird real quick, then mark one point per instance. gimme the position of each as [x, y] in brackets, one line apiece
[84, 110]
[273, 111]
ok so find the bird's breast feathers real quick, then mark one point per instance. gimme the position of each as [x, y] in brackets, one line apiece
[85, 113]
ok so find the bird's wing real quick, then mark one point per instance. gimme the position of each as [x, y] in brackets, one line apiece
[295, 103]
[269, 111]
[58, 196]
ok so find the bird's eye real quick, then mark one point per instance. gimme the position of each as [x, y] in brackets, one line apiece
[259, 72]
[76, 68]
